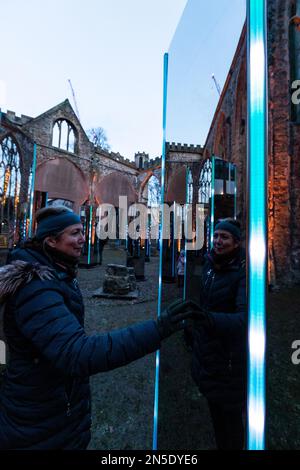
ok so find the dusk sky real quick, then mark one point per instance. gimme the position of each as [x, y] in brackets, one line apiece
[112, 50]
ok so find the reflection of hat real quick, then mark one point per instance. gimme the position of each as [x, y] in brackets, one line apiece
[229, 227]
[56, 223]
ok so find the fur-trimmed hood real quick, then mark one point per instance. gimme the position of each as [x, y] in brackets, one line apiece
[18, 273]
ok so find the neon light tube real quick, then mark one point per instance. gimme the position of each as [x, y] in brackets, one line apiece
[32, 191]
[163, 160]
[90, 235]
[212, 210]
[257, 231]
[235, 192]
[173, 239]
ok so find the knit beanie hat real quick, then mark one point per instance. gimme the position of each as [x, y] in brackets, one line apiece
[229, 227]
[56, 223]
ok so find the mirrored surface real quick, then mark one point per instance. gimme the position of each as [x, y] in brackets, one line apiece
[202, 380]
[206, 163]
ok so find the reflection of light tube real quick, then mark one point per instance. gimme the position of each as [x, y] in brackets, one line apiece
[172, 220]
[90, 234]
[163, 160]
[32, 191]
[212, 209]
[186, 227]
[257, 233]
[235, 193]
[24, 225]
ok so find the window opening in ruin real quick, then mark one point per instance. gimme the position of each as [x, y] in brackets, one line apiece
[190, 187]
[205, 183]
[63, 135]
[154, 191]
[10, 180]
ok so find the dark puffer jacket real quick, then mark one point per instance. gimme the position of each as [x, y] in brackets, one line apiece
[219, 353]
[45, 397]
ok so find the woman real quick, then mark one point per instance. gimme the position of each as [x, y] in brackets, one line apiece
[219, 339]
[45, 397]
[180, 268]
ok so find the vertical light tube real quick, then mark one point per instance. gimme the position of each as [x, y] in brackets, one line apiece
[186, 228]
[32, 191]
[163, 160]
[235, 192]
[257, 226]
[172, 231]
[149, 236]
[212, 201]
[90, 235]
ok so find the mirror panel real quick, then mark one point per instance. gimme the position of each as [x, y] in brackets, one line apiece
[204, 181]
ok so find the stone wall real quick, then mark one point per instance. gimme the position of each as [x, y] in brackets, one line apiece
[63, 174]
[228, 134]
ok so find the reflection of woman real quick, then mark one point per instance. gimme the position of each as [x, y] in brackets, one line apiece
[219, 347]
[180, 268]
[45, 397]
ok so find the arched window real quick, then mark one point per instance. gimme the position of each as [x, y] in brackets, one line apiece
[154, 191]
[205, 183]
[63, 135]
[10, 182]
[190, 187]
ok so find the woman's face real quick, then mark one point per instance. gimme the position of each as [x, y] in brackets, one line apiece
[224, 243]
[70, 241]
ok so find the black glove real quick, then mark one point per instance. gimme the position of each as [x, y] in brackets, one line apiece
[201, 317]
[173, 318]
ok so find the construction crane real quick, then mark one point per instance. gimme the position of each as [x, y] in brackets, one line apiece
[217, 84]
[74, 98]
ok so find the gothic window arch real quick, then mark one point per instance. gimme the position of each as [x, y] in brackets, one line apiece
[64, 135]
[190, 187]
[154, 191]
[205, 183]
[10, 183]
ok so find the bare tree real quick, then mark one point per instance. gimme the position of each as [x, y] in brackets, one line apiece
[97, 135]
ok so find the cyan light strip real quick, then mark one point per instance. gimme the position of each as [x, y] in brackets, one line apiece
[32, 191]
[212, 209]
[163, 160]
[186, 228]
[235, 191]
[257, 231]
[173, 232]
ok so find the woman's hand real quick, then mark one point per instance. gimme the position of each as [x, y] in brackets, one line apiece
[173, 317]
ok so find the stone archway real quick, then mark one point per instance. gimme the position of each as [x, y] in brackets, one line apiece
[108, 189]
[176, 190]
[62, 179]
